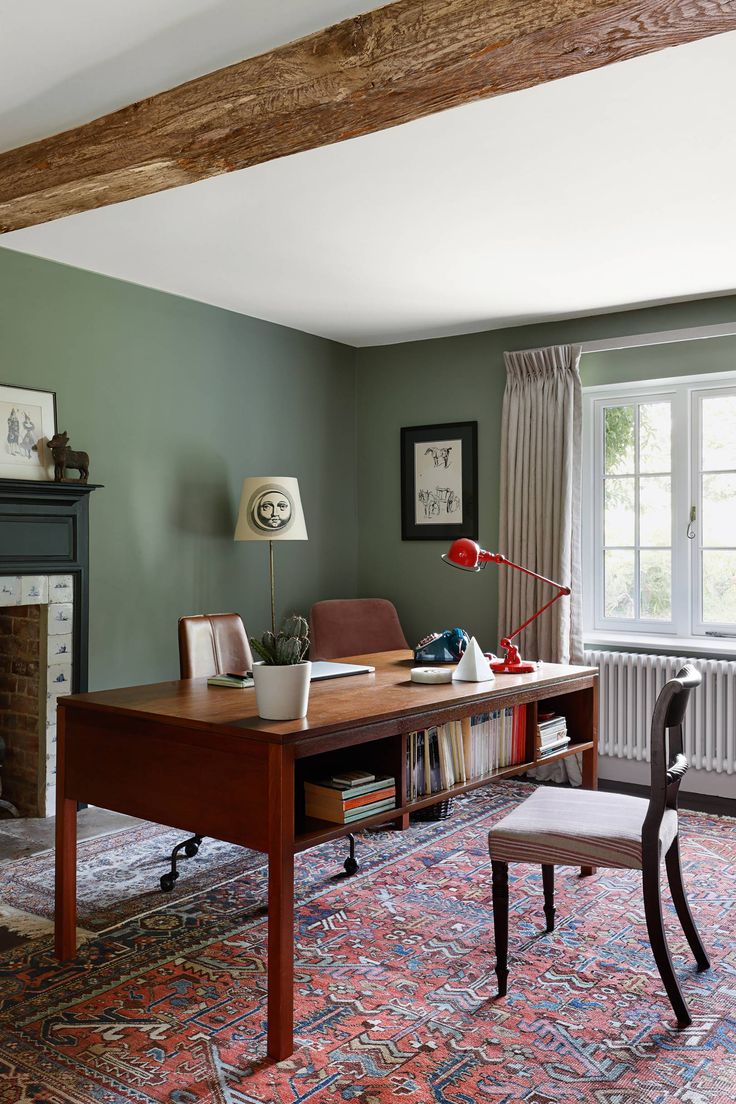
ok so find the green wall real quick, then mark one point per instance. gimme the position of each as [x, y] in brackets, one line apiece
[176, 402]
[460, 379]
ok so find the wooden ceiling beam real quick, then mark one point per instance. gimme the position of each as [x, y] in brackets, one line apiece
[387, 67]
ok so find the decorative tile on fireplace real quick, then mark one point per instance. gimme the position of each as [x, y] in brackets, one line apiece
[10, 590]
[34, 590]
[61, 588]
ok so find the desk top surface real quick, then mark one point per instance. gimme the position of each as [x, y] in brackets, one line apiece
[334, 704]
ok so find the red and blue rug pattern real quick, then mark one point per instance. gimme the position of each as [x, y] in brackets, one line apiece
[395, 990]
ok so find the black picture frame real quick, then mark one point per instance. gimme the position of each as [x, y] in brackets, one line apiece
[436, 519]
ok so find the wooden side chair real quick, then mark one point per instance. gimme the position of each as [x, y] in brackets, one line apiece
[340, 627]
[209, 644]
[583, 827]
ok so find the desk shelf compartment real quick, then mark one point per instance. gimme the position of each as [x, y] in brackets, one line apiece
[380, 757]
[580, 711]
[444, 758]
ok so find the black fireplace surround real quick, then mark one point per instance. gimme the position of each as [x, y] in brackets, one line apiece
[44, 530]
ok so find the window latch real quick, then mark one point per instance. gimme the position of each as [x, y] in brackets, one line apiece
[691, 524]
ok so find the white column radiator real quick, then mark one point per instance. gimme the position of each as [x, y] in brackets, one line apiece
[629, 685]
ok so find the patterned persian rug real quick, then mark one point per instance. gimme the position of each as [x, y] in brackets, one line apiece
[394, 993]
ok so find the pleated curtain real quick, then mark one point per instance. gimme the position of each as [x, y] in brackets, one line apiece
[541, 465]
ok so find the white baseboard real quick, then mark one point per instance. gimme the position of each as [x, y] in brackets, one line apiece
[695, 781]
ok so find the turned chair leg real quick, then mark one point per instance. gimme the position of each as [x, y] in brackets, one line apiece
[548, 882]
[674, 877]
[500, 882]
[658, 941]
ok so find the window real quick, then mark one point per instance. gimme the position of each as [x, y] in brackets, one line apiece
[659, 507]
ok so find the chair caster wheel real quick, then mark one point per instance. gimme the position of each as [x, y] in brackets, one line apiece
[351, 865]
[191, 849]
[167, 881]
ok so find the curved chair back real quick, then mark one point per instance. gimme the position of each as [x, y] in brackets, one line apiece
[213, 644]
[354, 626]
[668, 763]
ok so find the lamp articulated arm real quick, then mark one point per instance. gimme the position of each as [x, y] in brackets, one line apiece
[469, 556]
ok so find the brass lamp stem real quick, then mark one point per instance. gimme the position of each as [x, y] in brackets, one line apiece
[273, 587]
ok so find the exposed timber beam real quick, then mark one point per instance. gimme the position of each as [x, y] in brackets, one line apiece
[386, 67]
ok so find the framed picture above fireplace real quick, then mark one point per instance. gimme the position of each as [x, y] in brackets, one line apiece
[27, 422]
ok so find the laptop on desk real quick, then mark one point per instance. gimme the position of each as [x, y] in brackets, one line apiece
[326, 669]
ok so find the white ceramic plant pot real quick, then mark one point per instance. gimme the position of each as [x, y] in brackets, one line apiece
[282, 693]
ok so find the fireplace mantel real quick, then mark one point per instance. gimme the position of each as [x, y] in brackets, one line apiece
[44, 530]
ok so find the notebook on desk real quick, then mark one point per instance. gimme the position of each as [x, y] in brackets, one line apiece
[326, 669]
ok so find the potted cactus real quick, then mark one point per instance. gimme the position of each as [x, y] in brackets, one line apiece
[282, 676]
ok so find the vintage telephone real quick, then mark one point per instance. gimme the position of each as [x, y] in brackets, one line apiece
[442, 647]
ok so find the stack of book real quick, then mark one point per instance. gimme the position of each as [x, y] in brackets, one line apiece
[552, 734]
[462, 751]
[349, 796]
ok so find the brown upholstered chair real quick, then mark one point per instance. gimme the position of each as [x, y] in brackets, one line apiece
[354, 626]
[213, 644]
[209, 644]
[562, 827]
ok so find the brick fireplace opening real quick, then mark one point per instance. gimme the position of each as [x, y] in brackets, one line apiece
[23, 707]
[36, 667]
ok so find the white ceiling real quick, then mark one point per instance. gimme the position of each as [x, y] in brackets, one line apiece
[610, 189]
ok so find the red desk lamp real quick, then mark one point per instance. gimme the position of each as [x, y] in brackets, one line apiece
[469, 556]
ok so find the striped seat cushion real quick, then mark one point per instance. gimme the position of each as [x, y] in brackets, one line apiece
[577, 828]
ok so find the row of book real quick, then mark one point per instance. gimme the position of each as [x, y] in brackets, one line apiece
[461, 751]
[349, 796]
[552, 735]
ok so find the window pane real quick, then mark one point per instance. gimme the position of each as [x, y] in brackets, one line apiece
[719, 511]
[619, 429]
[719, 587]
[619, 584]
[620, 515]
[655, 437]
[655, 511]
[655, 569]
[719, 433]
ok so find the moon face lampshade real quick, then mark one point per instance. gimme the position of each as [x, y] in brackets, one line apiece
[270, 509]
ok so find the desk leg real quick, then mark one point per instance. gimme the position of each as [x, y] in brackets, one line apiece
[590, 762]
[280, 903]
[65, 916]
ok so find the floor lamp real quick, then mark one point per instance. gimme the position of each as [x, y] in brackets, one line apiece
[270, 510]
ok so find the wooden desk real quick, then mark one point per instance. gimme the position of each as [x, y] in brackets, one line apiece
[200, 759]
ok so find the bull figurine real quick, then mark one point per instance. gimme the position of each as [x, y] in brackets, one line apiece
[64, 458]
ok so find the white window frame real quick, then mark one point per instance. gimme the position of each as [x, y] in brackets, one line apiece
[685, 394]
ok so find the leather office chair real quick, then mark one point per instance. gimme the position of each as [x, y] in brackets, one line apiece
[581, 827]
[209, 644]
[354, 626]
[341, 627]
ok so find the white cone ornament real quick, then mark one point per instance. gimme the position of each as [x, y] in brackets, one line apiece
[473, 667]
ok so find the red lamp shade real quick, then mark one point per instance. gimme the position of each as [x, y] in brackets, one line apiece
[468, 555]
[464, 553]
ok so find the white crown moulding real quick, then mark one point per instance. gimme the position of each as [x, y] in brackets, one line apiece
[473, 667]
